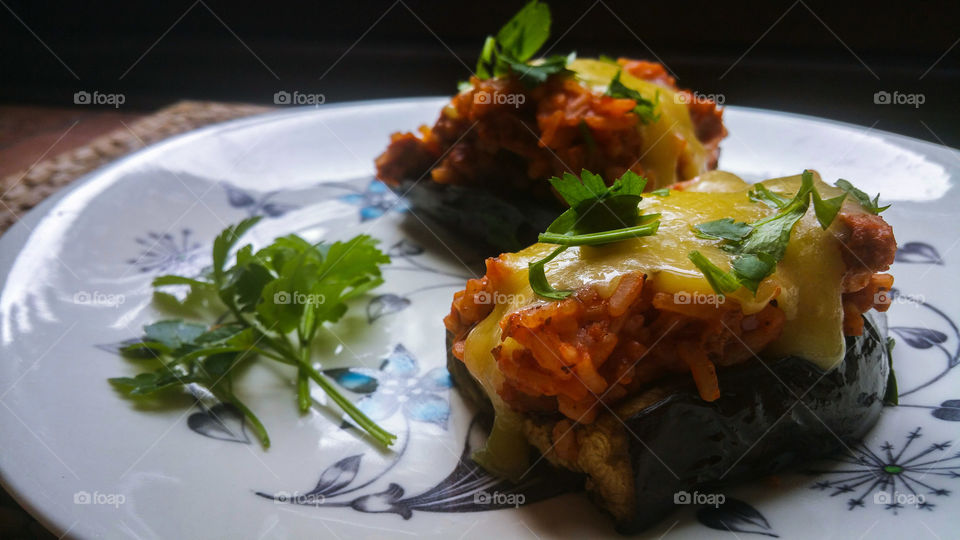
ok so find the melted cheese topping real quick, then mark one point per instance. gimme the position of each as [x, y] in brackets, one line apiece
[669, 139]
[806, 284]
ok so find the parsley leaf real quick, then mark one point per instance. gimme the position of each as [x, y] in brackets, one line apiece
[724, 229]
[760, 193]
[722, 282]
[593, 206]
[771, 235]
[532, 74]
[173, 335]
[872, 206]
[277, 300]
[760, 245]
[662, 192]
[512, 49]
[645, 108]
[487, 63]
[827, 209]
[538, 277]
[526, 32]
[752, 268]
[577, 190]
[598, 215]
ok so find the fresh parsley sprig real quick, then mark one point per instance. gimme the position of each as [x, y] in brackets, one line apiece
[646, 109]
[511, 50]
[597, 215]
[872, 206]
[760, 245]
[277, 298]
[760, 193]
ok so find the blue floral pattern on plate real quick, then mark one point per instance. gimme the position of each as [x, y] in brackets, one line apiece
[374, 201]
[164, 252]
[255, 204]
[399, 386]
[896, 480]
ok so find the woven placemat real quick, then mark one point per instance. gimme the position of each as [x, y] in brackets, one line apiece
[25, 189]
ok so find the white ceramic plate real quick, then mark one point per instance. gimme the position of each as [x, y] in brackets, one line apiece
[76, 275]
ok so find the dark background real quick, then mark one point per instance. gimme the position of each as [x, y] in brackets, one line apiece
[821, 58]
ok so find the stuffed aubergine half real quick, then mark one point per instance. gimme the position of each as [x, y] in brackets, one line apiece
[482, 167]
[730, 343]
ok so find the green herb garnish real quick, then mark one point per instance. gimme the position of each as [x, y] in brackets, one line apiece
[872, 206]
[760, 193]
[826, 209]
[538, 277]
[589, 140]
[645, 108]
[760, 245]
[597, 215]
[512, 49]
[722, 282]
[724, 229]
[277, 300]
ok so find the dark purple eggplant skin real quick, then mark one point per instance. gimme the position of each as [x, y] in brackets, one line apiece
[770, 415]
[502, 223]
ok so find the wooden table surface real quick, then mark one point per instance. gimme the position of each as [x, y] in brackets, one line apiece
[29, 134]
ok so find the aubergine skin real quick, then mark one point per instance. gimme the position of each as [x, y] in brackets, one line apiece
[770, 415]
[504, 223]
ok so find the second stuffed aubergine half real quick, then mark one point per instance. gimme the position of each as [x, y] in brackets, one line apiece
[521, 119]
